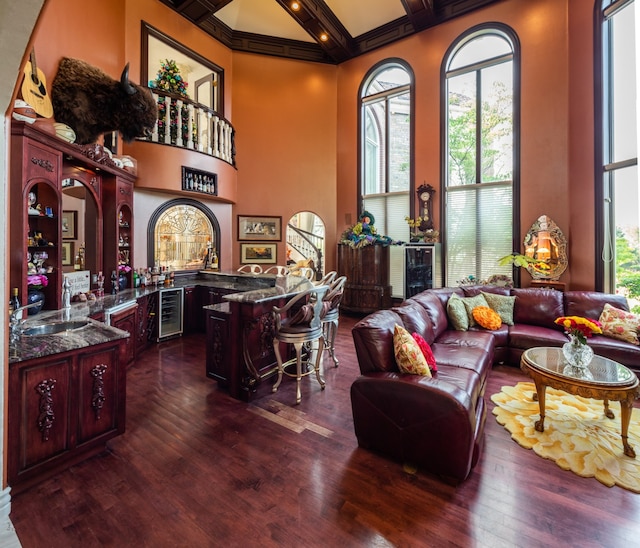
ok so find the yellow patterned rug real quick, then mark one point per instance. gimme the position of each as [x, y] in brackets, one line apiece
[577, 436]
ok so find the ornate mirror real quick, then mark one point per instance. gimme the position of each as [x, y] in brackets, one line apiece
[546, 244]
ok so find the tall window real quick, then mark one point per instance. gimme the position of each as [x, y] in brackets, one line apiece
[480, 176]
[618, 198]
[386, 152]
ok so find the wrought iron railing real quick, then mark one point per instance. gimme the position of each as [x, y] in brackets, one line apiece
[309, 245]
[192, 126]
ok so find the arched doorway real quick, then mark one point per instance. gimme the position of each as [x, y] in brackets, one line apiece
[306, 240]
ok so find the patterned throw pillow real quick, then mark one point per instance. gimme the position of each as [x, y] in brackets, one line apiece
[502, 304]
[619, 324]
[470, 303]
[426, 351]
[409, 357]
[487, 318]
[457, 313]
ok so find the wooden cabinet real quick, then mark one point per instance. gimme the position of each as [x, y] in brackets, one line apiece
[142, 336]
[367, 271]
[62, 408]
[118, 228]
[126, 320]
[35, 171]
[40, 162]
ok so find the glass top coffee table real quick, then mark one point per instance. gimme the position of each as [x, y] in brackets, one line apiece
[611, 381]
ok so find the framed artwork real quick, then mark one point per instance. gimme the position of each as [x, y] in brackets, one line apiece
[259, 228]
[258, 253]
[67, 253]
[69, 225]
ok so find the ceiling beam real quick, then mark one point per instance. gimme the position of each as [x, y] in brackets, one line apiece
[318, 20]
[421, 13]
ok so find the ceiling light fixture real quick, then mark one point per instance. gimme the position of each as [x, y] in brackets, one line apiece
[324, 37]
[295, 6]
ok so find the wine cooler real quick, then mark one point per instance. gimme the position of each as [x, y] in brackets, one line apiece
[170, 307]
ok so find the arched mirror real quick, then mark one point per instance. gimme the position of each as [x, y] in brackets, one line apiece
[547, 245]
[306, 241]
[81, 222]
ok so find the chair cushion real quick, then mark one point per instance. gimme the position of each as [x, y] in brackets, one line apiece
[502, 304]
[303, 316]
[620, 324]
[408, 354]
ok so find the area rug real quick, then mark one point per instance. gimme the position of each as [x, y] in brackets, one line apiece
[577, 436]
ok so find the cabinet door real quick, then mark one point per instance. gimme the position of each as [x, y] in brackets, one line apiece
[218, 346]
[98, 395]
[126, 320]
[191, 310]
[39, 414]
[142, 335]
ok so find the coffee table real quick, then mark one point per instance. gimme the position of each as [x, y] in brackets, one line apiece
[611, 381]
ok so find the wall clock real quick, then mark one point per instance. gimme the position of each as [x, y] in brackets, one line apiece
[425, 196]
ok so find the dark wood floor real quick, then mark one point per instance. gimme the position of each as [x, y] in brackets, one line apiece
[197, 468]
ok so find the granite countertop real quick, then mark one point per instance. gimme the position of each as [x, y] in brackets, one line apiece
[241, 286]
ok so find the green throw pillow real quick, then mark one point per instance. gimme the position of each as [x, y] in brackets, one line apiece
[502, 304]
[470, 303]
[457, 313]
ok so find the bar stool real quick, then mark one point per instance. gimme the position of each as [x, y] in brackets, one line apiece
[331, 315]
[298, 323]
[327, 278]
[253, 268]
[277, 270]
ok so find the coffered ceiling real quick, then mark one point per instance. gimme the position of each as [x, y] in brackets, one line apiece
[328, 31]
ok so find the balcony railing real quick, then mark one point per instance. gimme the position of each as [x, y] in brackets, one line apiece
[192, 126]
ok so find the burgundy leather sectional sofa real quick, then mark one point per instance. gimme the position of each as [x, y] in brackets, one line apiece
[437, 423]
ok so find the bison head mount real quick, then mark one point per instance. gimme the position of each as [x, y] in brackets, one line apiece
[92, 103]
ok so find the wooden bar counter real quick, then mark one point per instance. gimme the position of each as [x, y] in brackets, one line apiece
[240, 336]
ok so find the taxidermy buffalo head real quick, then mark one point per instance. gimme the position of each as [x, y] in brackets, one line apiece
[92, 103]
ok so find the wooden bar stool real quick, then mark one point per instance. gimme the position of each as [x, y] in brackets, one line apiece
[299, 323]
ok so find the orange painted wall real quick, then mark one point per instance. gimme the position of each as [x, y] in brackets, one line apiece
[296, 122]
[286, 121]
[542, 28]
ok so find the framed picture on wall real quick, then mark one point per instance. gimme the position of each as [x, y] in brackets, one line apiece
[67, 253]
[258, 253]
[69, 225]
[259, 228]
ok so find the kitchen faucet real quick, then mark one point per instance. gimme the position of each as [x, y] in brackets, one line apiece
[15, 322]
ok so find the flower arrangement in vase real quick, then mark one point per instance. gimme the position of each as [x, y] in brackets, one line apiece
[429, 235]
[577, 352]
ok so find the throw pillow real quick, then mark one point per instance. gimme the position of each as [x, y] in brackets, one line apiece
[487, 318]
[457, 313]
[470, 303]
[502, 304]
[619, 324]
[409, 357]
[426, 351]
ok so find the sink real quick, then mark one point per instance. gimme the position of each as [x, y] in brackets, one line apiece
[53, 328]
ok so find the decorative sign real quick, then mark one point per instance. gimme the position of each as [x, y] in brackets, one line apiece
[80, 281]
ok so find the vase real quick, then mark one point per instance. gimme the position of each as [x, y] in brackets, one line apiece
[578, 356]
[123, 282]
[35, 296]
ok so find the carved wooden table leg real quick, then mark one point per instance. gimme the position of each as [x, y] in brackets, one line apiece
[626, 407]
[607, 411]
[541, 390]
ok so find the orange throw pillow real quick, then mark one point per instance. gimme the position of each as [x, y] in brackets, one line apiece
[487, 318]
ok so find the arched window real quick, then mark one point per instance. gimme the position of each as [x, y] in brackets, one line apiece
[617, 190]
[180, 233]
[386, 154]
[480, 153]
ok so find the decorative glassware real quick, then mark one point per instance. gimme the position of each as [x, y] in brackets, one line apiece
[578, 356]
